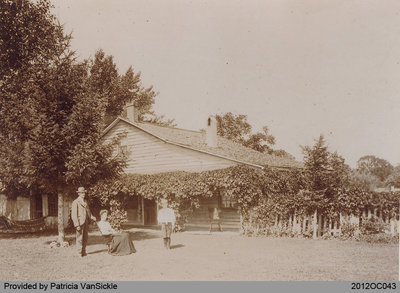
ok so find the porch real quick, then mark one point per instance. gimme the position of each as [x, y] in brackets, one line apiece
[143, 212]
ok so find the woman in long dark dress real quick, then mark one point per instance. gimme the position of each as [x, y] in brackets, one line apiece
[120, 244]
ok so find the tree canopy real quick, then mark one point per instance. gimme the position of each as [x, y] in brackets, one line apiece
[233, 127]
[105, 80]
[375, 166]
[52, 115]
[394, 178]
[326, 173]
[236, 128]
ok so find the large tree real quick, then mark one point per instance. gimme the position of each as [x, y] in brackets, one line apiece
[237, 129]
[52, 118]
[375, 166]
[105, 80]
[261, 141]
[326, 173]
[233, 127]
[29, 41]
[394, 178]
[316, 162]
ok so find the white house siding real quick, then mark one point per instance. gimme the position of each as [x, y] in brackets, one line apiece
[17, 209]
[149, 155]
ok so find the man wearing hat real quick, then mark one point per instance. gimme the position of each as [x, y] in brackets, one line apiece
[81, 216]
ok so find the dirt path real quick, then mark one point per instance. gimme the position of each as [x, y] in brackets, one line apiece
[200, 256]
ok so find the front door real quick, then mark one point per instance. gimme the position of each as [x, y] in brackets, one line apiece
[133, 210]
[150, 212]
[38, 211]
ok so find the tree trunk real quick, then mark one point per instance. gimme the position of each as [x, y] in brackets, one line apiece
[241, 222]
[61, 233]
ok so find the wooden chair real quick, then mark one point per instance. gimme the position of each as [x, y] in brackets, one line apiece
[107, 238]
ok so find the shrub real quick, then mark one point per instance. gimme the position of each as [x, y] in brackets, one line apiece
[379, 238]
[349, 230]
[372, 225]
[327, 236]
[308, 234]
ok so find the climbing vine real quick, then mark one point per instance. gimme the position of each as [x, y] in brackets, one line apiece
[261, 195]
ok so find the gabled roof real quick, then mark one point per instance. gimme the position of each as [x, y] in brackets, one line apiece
[196, 140]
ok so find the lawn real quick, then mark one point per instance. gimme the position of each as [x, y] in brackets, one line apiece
[198, 256]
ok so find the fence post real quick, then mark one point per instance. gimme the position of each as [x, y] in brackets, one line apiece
[327, 226]
[387, 226]
[341, 220]
[280, 222]
[319, 225]
[398, 228]
[241, 223]
[298, 224]
[392, 224]
[336, 226]
[294, 226]
[315, 225]
[355, 220]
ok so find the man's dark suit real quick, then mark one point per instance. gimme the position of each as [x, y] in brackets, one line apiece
[81, 215]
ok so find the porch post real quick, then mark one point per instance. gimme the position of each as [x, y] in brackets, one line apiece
[45, 205]
[142, 204]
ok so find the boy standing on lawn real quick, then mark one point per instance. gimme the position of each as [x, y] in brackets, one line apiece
[166, 217]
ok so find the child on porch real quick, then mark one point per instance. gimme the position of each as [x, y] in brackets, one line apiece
[166, 217]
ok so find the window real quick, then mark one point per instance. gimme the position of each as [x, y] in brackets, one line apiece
[122, 150]
[228, 202]
[53, 205]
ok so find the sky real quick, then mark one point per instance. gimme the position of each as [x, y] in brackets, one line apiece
[303, 68]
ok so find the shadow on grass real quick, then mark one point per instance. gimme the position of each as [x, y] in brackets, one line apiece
[96, 239]
[97, 251]
[23, 235]
[70, 239]
[94, 236]
[177, 246]
[143, 235]
[147, 227]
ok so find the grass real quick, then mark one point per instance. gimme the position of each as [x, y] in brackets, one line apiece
[198, 256]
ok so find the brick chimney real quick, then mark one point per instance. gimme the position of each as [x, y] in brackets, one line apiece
[211, 132]
[132, 112]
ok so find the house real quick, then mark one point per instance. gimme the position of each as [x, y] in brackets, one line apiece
[152, 149]
[36, 206]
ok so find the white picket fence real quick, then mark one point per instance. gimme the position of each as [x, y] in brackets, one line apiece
[320, 225]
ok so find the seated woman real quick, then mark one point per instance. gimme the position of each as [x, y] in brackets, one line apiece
[120, 244]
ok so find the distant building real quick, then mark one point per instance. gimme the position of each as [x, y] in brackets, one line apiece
[387, 189]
